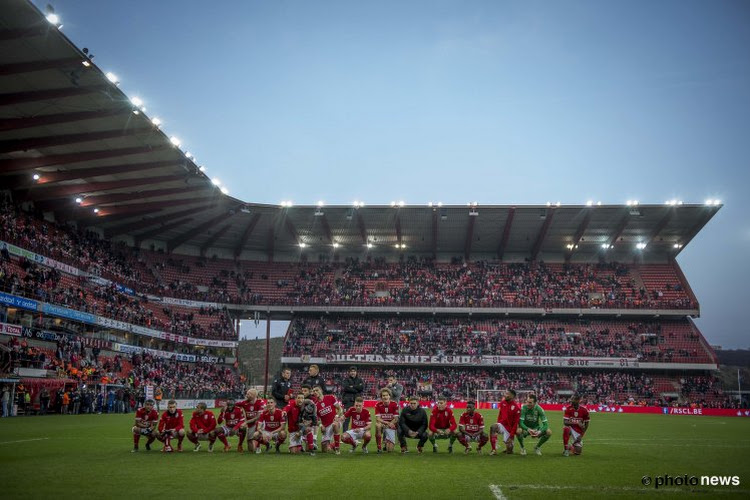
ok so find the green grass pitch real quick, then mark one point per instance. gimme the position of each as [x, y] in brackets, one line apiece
[89, 456]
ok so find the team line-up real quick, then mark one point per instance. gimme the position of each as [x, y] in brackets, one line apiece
[263, 424]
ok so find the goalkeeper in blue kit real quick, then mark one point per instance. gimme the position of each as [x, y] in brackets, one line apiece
[533, 424]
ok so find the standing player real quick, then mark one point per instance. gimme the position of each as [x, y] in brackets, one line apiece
[253, 406]
[386, 421]
[329, 411]
[145, 423]
[507, 422]
[576, 422]
[360, 427]
[533, 423]
[202, 427]
[233, 418]
[171, 425]
[471, 428]
[270, 428]
[300, 418]
[442, 425]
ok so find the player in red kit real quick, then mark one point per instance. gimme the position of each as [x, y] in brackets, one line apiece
[471, 428]
[360, 427]
[270, 427]
[576, 422]
[329, 410]
[233, 420]
[507, 422]
[145, 423]
[301, 416]
[253, 406]
[386, 421]
[202, 427]
[171, 425]
[442, 425]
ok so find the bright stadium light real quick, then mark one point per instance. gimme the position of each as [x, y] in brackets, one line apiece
[79, 200]
[549, 204]
[136, 101]
[440, 203]
[36, 177]
[202, 168]
[590, 203]
[96, 210]
[429, 204]
[640, 246]
[401, 203]
[215, 181]
[606, 246]
[709, 202]
[86, 64]
[174, 140]
[224, 190]
[599, 203]
[369, 245]
[321, 204]
[53, 18]
[112, 77]
[156, 121]
[393, 203]
[336, 245]
[302, 245]
[629, 202]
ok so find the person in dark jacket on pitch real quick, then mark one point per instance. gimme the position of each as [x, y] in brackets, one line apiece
[353, 386]
[314, 378]
[281, 387]
[412, 423]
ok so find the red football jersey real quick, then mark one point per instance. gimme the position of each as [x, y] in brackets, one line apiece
[252, 410]
[203, 423]
[359, 419]
[291, 412]
[271, 421]
[146, 417]
[577, 417]
[472, 423]
[326, 409]
[170, 421]
[509, 415]
[234, 418]
[386, 414]
[442, 419]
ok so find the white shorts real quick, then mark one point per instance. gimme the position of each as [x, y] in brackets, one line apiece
[500, 429]
[327, 434]
[171, 432]
[251, 430]
[295, 439]
[357, 434]
[229, 431]
[269, 437]
[473, 437]
[201, 436]
[145, 431]
[576, 437]
[390, 435]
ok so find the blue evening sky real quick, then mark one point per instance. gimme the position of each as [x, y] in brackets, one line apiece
[497, 101]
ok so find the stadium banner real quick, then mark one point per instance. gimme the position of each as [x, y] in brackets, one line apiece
[64, 312]
[499, 361]
[131, 349]
[30, 372]
[23, 303]
[8, 329]
[39, 259]
[195, 304]
[191, 404]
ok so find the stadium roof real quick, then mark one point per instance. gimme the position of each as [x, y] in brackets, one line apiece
[73, 143]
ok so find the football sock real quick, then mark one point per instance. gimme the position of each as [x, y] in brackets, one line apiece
[379, 440]
[462, 440]
[452, 439]
[180, 437]
[223, 439]
[336, 441]
[193, 439]
[542, 440]
[520, 439]
[566, 436]
[211, 440]
[242, 438]
[310, 441]
[136, 439]
[432, 439]
[366, 440]
[151, 439]
[493, 441]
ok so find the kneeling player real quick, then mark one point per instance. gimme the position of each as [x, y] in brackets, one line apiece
[270, 428]
[328, 411]
[533, 423]
[507, 422]
[233, 418]
[171, 425]
[145, 423]
[386, 421]
[360, 428]
[301, 416]
[576, 422]
[253, 406]
[442, 425]
[202, 427]
[471, 428]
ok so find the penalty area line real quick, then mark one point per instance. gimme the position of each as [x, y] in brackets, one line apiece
[495, 489]
[23, 440]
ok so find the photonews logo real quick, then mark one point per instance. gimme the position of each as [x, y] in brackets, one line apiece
[685, 480]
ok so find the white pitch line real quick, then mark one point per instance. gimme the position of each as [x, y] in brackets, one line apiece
[495, 489]
[664, 489]
[23, 440]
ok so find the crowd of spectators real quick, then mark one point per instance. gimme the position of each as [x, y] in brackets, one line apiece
[354, 282]
[436, 336]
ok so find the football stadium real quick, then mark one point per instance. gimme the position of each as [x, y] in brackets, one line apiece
[433, 350]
